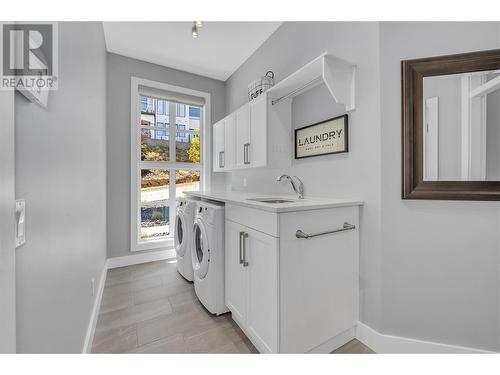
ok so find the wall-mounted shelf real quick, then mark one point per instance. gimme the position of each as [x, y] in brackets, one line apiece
[337, 74]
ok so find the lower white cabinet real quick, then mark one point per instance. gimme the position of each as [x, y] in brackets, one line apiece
[289, 294]
[252, 283]
[235, 273]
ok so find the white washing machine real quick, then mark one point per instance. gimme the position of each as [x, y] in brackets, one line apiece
[184, 220]
[208, 256]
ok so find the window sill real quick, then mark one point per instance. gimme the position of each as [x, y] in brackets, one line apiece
[165, 244]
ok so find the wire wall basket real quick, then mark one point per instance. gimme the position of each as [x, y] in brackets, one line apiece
[260, 85]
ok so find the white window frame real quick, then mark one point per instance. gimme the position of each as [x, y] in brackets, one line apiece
[135, 159]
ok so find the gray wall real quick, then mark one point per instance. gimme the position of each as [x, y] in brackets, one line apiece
[429, 269]
[353, 174]
[119, 71]
[7, 228]
[440, 259]
[61, 172]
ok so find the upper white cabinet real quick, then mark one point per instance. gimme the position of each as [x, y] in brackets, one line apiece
[229, 142]
[251, 135]
[242, 137]
[255, 135]
[259, 133]
[223, 144]
[218, 146]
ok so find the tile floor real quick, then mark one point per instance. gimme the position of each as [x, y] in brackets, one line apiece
[150, 308]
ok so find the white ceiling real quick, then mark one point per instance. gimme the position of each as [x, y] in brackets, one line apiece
[219, 50]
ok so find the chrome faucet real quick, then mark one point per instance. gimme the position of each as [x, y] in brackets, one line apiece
[298, 186]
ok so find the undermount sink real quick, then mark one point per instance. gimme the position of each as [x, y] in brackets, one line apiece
[271, 200]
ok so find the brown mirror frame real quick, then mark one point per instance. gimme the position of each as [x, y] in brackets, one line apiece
[413, 73]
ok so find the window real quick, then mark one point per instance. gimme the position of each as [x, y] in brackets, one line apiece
[166, 161]
[147, 105]
[161, 107]
[181, 110]
[194, 112]
[156, 203]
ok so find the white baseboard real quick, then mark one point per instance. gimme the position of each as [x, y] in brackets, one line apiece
[132, 259]
[115, 263]
[89, 337]
[335, 342]
[381, 343]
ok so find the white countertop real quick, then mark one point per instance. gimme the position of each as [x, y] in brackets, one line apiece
[242, 199]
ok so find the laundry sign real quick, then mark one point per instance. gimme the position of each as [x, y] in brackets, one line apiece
[322, 138]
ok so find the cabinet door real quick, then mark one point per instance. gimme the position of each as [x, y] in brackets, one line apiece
[242, 137]
[319, 278]
[218, 146]
[262, 311]
[235, 280]
[258, 132]
[229, 142]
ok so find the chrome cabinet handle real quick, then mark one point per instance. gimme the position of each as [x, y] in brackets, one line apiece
[246, 157]
[245, 263]
[241, 247]
[301, 234]
[221, 159]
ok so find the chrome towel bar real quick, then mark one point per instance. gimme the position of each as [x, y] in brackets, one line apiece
[301, 234]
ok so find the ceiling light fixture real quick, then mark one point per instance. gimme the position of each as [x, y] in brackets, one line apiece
[194, 30]
[198, 23]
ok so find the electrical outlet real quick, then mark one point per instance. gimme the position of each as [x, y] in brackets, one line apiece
[92, 285]
[244, 182]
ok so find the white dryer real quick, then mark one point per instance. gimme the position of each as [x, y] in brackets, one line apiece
[184, 220]
[208, 256]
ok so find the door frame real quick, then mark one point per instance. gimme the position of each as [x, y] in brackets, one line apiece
[7, 225]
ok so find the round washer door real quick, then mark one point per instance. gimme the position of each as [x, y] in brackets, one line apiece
[180, 238]
[200, 251]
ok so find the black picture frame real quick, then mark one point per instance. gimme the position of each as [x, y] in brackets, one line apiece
[346, 137]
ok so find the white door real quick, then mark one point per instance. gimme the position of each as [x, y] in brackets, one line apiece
[7, 225]
[218, 143]
[258, 132]
[235, 276]
[431, 139]
[262, 312]
[229, 146]
[242, 137]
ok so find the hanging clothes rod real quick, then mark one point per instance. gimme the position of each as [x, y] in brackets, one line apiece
[296, 91]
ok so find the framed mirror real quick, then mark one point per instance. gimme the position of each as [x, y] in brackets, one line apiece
[451, 127]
